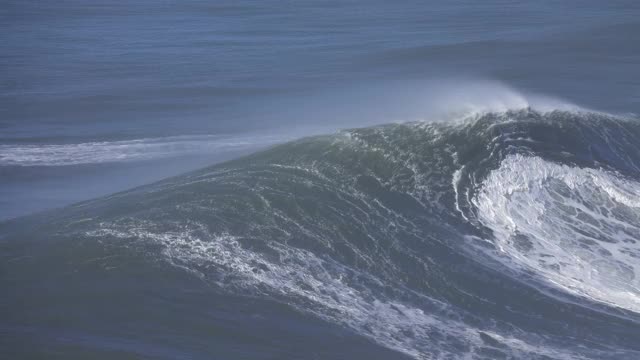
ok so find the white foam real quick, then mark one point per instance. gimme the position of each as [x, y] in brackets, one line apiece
[578, 228]
[127, 150]
[329, 290]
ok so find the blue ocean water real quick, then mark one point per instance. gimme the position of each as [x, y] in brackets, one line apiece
[320, 179]
[88, 77]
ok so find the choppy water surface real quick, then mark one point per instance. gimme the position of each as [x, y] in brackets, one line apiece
[401, 200]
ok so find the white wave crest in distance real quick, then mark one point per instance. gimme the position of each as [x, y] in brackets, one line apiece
[126, 150]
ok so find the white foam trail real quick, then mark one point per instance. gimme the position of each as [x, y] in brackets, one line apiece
[329, 290]
[127, 150]
[577, 228]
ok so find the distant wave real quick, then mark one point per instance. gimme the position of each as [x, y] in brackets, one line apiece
[126, 150]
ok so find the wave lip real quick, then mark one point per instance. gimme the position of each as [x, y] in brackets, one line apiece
[126, 150]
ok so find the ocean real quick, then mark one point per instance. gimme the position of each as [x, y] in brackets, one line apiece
[320, 179]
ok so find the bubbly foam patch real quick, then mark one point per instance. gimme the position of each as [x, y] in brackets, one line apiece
[577, 228]
[332, 291]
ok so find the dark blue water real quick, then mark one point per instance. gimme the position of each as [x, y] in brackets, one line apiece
[320, 179]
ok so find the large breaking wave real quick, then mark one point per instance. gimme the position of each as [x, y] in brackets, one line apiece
[511, 234]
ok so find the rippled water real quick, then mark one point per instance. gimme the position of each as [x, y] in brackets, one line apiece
[426, 181]
[108, 83]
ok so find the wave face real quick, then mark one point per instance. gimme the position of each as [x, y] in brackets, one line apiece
[502, 235]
